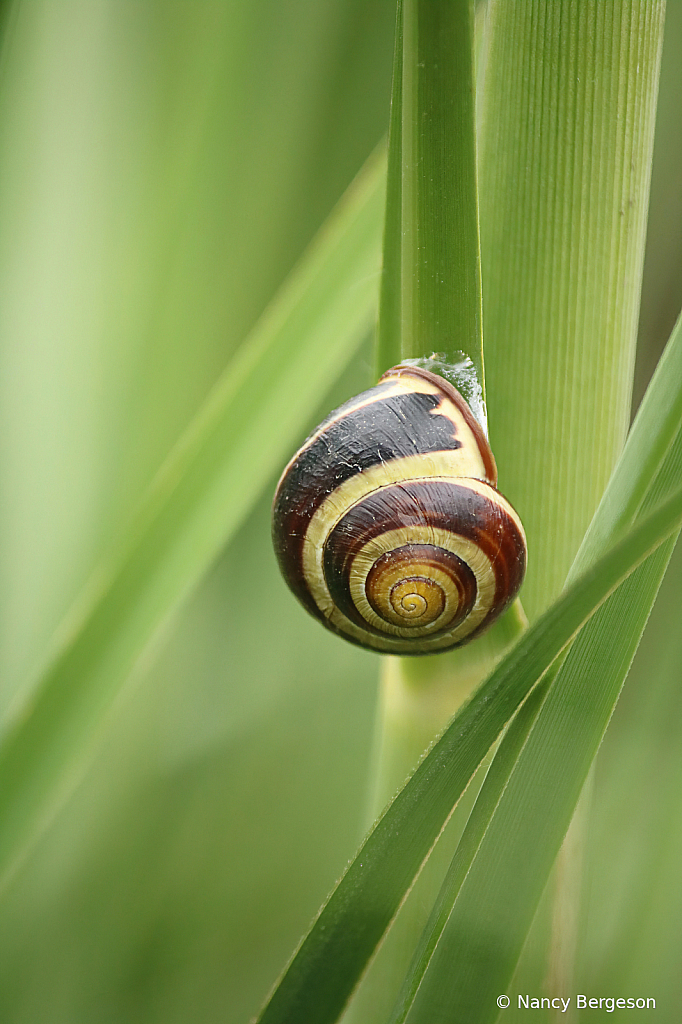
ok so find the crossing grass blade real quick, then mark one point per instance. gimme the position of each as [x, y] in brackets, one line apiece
[655, 445]
[498, 899]
[332, 957]
[562, 743]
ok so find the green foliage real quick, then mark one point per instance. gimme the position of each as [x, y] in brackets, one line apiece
[199, 779]
[200, 497]
[431, 297]
[332, 957]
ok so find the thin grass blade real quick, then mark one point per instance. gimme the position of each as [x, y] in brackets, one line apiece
[431, 297]
[389, 328]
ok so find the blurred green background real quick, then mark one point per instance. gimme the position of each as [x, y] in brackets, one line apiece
[162, 166]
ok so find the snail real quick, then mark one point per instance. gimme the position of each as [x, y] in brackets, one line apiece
[387, 523]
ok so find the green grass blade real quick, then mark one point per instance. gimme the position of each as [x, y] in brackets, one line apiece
[243, 433]
[655, 446]
[563, 741]
[321, 977]
[389, 330]
[497, 901]
[433, 192]
[648, 447]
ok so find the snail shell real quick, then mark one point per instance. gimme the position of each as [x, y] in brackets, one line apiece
[387, 523]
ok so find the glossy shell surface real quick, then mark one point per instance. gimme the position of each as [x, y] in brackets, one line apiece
[387, 523]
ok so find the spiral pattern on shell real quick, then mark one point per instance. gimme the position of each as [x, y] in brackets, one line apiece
[387, 523]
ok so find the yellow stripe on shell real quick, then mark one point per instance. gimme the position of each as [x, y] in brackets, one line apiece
[419, 583]
[467, 550]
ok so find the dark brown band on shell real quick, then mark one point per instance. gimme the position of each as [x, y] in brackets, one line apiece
[451, 392]
[353, 438]
[392, 427]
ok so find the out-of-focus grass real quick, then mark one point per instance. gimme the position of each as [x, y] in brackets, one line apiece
[161, 168]
[163, 165]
